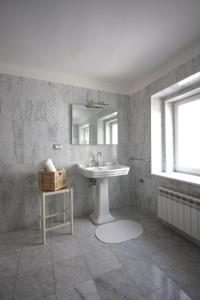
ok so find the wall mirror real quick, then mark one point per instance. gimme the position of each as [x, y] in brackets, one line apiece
[94, 124]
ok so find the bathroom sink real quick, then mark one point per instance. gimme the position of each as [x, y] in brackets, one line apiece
[101, 213]
[103, 171]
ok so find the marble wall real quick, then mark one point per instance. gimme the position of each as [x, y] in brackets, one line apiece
[36, 114]
[33, 116]
[143, 185]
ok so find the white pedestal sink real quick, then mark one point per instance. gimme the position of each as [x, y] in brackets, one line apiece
[101, 213]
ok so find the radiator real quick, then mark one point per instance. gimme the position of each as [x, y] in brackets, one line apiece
[180, 211]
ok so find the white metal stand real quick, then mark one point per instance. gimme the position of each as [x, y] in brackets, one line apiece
[67, 212]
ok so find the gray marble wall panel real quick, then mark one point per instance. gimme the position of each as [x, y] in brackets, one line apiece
[143, 186]
[33, 116]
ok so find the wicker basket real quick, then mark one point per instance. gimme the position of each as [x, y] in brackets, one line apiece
[51, 181]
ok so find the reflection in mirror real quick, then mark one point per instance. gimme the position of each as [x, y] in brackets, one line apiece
[94, 125]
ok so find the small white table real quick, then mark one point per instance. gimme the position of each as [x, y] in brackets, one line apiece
[67, 211]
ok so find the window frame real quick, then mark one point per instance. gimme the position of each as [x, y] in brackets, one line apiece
[178, 168]
[108, 124]
[161, 165]
[111, 131]
[83, 129]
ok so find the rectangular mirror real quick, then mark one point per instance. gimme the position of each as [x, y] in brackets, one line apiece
[94, 125]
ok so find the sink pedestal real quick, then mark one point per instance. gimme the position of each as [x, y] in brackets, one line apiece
[101, 213]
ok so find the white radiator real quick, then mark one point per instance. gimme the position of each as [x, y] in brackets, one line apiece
[179, 210]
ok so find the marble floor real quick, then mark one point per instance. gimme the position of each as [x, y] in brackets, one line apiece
[157, 265]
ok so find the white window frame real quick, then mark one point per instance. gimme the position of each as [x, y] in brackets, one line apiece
[162, 132]
[169, 135]
[82, 132]
[108, 130]
[177, 167]
[111, 129]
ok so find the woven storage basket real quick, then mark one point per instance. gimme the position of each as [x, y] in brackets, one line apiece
[51, 181]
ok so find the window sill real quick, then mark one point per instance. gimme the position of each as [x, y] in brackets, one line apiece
[187, 178]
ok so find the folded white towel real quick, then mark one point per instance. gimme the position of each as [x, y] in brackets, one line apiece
[50, 166]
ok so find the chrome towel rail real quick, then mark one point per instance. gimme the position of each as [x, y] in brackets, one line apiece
[148, 160]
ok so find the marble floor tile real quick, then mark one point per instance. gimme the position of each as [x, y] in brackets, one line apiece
[60, 235]
[159, 240]
[33, 237]
[146, 244]
[50, 297]
[127, 251]
[84, 291]
[117, 285]
[90, 243]
[120, 214]
[185, 277]
[12, 237]
[169, 292]
[34, 257]
[11, 242]
[187, 255]
[193, 292]
[9, 249]
[164, 231]
[166, 259]
[34, 284]
[83, 227]
[146, 275]
[102, 261]
[70, 272]
[160, 264]
[184, 274]
[128, 213]
[69, 294]
[7, 287]
[150, 225]
[87, 290]
[64, 250]
[166, 238]
[9, 265]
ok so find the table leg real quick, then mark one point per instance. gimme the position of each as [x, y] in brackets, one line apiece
[71, 210]
[64, 207]
[39, 210]
[43, 220]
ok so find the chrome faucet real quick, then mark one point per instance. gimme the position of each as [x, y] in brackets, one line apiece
[98, 155]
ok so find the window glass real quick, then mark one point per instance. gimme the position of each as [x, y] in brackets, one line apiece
[187, 138]
[115, 133]
[84, 133]
[111, 131]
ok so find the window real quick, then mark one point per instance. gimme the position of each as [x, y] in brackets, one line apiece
[107, 129]
[186, 135]
[111, 131]
[114, 131]
[84, 133]
[175, 127]
[181, 145]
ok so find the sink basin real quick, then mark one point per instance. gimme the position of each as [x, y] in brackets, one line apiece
[104, 171]
[101, 213]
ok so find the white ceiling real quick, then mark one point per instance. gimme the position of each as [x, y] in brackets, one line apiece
[104, 44]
